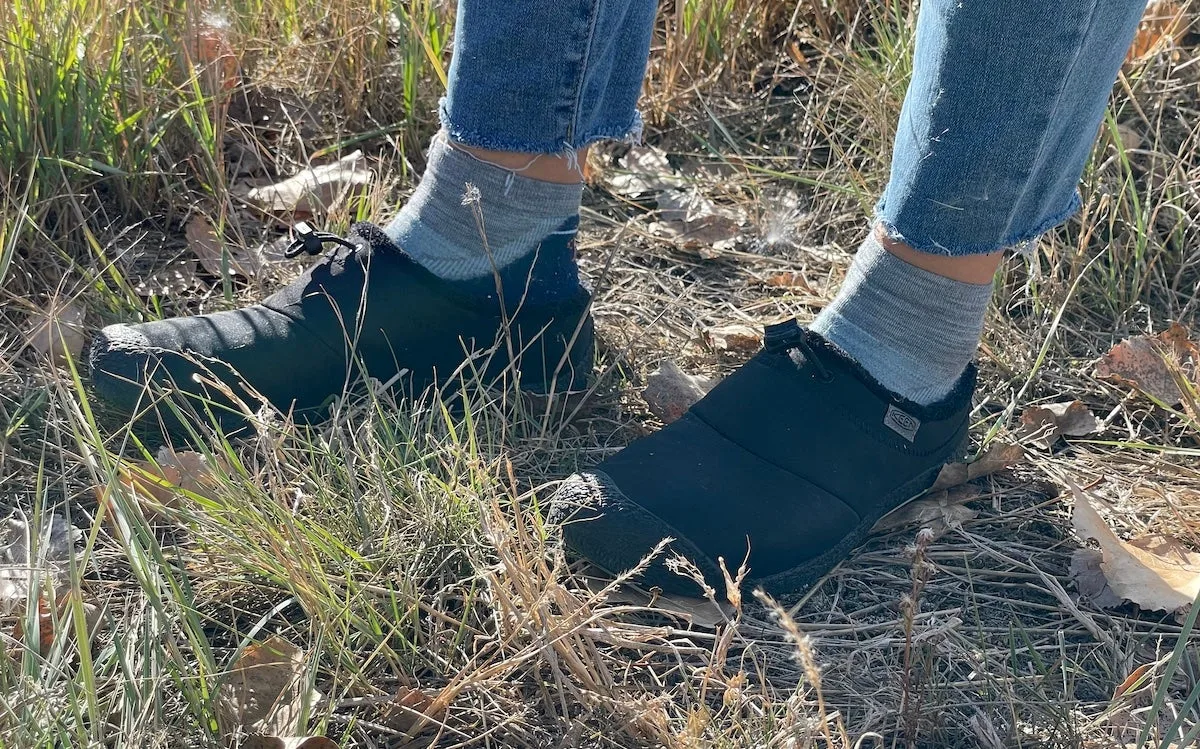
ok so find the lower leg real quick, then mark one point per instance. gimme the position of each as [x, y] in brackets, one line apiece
[524, 101]
[561, 169]
[997, 124]
[970, 269]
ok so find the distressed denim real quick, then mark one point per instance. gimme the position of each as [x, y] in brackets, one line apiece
[1003, 108]
[544, 76]
[997, 124]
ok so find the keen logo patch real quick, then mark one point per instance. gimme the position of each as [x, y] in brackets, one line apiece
[905, 425]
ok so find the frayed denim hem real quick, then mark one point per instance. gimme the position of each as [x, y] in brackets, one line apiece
[1020, 244]
[467, 136]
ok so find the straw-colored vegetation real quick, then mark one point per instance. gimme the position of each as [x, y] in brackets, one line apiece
[399, 549]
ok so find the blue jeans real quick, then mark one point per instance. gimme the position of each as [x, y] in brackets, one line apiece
[544, 76]
[1000, 116]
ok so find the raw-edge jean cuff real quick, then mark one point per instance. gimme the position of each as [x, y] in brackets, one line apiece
[1021, 244]
[630, 133]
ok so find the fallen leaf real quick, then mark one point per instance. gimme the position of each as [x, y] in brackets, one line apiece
[266, 692]
[410, 705]
[699, 612]
[1163, 24]
[644, 170]
[212, 253]
[1130, 137]
[49, 619]
[211, 49]
[177, 278]
[290, 742]
[1147, 363]
[57, 331]
[938, 512]
[739, 338]
[789, 280]
[315, 189]
[1156, 572]
[157, 486]
[1132, 679]
[670, 392]
[1084, 570]
[998, 457]
[692, 220]
[24, 563]
[1046, 424]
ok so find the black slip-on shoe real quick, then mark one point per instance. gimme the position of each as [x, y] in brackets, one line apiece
[793, 457]
[365, 307]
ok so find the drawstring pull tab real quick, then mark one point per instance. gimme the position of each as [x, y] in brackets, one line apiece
[310, 241]
[790, 337]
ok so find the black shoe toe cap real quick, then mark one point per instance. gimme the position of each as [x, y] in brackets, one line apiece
[602, 524]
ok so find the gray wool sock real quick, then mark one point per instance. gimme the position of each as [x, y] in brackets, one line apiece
[438, 227]
[913, 330]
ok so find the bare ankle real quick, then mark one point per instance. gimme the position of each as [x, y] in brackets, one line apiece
[975, 269]
[563, 169]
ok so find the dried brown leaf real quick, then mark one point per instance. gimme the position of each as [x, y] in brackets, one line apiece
[1132, 679]
[287, 742]
[694, 221]
[644, 170]
[1047, 423]
[1089, 579]
[938, 512]
[315, 189]
[212, 253]
[1147, 363]
[739, 338]
[265, 691]
[789, 280]
[1156, 572]
[670, 391]
[998, 457]
[57, 331]
[49, 619]
[1130, 137]
[700, 612]
[25, 562]
[410, 705]
[158, 486]
[213, 53]
[1163, 24]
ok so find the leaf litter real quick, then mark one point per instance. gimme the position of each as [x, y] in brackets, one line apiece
[644, 171]
[1164, 24]
[685, 216]
[56, 332]
[212, 252]
[40, 567]
[693, 221]
[158, 486]
[315, 189]
[943, 506]
[670, 391]
[267, 694]
[1046, 424]
[738, 338]
[26, 558]
[1156, 571]
[1152, 364]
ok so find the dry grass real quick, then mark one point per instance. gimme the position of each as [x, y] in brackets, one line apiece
[401, 546]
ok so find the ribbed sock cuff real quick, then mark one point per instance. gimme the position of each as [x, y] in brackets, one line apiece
[913, 330]
[469, 220]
